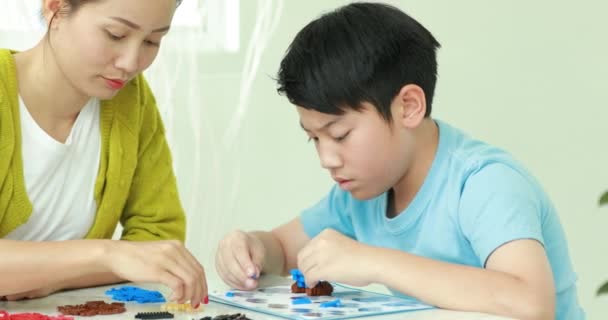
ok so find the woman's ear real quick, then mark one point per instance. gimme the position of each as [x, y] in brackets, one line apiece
[50, 9]
[409, 106]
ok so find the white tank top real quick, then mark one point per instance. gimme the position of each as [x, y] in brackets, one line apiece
[60, 177]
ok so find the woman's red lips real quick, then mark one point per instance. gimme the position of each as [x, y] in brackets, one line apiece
[115, 83]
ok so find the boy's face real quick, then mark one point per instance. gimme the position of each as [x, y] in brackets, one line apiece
[363, 153]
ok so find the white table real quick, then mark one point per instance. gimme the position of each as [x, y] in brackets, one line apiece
[49, 305]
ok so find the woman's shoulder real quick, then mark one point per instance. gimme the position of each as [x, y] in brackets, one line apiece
[7, 65]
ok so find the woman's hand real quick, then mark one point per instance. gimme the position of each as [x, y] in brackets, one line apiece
[166, 262]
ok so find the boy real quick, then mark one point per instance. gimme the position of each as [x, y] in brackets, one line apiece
[418, 206]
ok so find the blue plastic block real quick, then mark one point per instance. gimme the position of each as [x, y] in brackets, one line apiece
[128, 293]
[302, 300]
[229, 294]
[298, 277]
[335, 303]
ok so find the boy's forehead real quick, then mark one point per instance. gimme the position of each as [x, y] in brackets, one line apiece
[312, 120]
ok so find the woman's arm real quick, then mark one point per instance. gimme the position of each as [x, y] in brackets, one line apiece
[50, 266]
[27, 265]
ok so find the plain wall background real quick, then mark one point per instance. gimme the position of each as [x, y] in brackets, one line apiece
[528, 76]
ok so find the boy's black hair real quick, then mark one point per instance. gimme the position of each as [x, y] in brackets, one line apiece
[361, 52]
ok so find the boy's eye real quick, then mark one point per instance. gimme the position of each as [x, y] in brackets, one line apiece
[315, 139]
[342, 137]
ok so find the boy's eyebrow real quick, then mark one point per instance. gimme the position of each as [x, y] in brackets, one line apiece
[136, 26]
[323, 127]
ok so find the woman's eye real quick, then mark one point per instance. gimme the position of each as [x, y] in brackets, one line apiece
[152, 43]
[114, 36]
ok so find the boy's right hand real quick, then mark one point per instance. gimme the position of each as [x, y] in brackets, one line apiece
[239, 260]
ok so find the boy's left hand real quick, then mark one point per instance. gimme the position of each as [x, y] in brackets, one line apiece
[332, 256]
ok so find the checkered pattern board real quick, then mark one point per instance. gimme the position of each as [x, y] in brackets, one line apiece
[278, 301]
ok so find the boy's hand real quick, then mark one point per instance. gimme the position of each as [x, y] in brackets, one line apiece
[331, 256]
[239, 259]
[166, 262]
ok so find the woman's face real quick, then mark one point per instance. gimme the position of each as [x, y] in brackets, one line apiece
[105, 43]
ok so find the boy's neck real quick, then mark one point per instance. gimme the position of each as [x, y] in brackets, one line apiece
[402, 193]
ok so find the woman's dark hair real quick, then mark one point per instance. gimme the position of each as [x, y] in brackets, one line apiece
[74, 5]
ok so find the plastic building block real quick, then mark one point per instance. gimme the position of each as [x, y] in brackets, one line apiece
[30, 316]
[298, 277]
[129, 293]
[236, 316]
[183, 307]
[296, 289]
[92, 308]
[154, 315]
[323, 288]
[229, 294]
[335, 303]
[302, 300]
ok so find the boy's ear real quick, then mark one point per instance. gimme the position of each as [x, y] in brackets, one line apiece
[409, 106]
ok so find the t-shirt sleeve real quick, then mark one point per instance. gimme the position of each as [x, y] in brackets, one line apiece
[499, 205]
[331, 212]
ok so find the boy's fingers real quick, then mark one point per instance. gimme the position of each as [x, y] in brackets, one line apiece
[242, 256]
[305, 257]
[257, 260]
[311, 276]
[251, 284]
[228, 277]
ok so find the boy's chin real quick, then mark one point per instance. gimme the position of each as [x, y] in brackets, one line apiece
[363, 194]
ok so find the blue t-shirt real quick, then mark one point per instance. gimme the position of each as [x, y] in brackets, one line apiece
[474, 199]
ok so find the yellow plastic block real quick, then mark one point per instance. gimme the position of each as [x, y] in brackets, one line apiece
[179, 307]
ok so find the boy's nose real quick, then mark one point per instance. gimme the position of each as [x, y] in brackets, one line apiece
[329, 159]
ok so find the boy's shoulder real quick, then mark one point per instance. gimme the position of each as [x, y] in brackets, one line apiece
[459, 151]
[463, 158]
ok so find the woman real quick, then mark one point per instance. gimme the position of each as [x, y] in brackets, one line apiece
[82, 147]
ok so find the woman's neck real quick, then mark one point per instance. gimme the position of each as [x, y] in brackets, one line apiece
[44, 87]
[51, 99]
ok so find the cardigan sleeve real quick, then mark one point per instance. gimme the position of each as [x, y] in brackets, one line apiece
[153, 210]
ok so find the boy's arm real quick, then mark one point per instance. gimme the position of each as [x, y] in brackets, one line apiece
[517, 281]
[282, 245]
